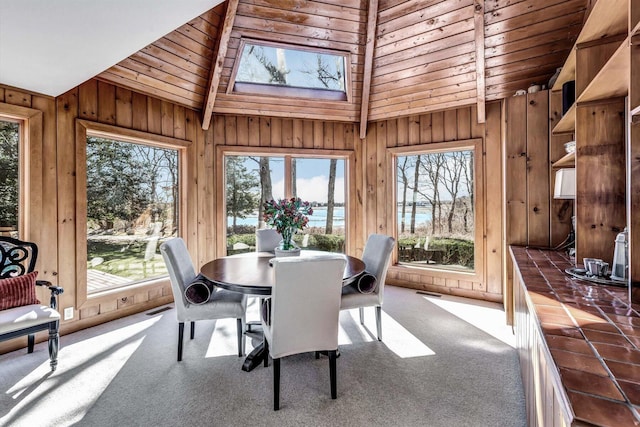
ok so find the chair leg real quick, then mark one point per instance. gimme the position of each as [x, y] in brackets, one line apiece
[266, 353]
[193, 329]
[361, 315]
[332, 373]
[54, 344]
[379, 321]
[240, 326]
[30, 342]
[317, 355]
[180, 336]
[276, 384]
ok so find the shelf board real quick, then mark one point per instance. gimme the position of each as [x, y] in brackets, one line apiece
[567, 161]
[567, 73]
[607, 18]
[567, 124]
[613, 79]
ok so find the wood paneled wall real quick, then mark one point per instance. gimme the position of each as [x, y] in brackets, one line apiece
[376, 192]
[55, 229]
[369, 203]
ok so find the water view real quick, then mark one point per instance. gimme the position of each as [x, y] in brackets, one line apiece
[319, 217]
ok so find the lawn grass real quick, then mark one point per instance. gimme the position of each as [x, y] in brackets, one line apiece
[124, 259]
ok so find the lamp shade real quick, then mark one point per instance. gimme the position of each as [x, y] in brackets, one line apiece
[565, 187]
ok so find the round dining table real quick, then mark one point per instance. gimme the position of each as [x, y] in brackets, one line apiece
[251, 273]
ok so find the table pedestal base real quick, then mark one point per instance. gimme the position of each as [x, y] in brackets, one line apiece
[253, 359]
[256, 357]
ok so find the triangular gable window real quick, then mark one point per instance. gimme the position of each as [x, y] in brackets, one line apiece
[283, 70]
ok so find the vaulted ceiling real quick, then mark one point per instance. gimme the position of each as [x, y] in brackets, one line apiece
[407, 57]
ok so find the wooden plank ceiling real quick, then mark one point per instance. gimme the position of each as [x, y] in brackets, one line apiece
[424, 57]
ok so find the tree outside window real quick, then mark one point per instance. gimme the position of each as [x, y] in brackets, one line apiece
[132, 194]
[436, 209]
[9, 176]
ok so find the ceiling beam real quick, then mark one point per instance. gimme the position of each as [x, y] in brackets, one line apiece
[216, 66]
[368, 66]
[478, 20]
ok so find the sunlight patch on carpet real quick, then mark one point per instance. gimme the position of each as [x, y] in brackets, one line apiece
[486, 316]
[395, 336]
[92, 364]
[224, 340]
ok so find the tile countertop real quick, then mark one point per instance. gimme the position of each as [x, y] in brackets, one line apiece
[593, 335]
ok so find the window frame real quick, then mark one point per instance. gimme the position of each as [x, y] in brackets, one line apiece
[474, 145]
[287, 153]
[29, 167]
[259, 89]
[83, 129]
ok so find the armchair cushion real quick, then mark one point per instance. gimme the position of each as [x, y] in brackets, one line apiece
[26, 316]
[18, 291]
[199, 290]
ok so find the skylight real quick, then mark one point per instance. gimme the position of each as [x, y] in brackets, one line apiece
[283, 70]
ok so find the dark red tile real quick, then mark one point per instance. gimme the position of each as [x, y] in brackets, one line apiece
[567, 331]
[631, 390]
[579, 362]
[618, 353]
[605, 337]
[634, 340]
[629, 330]
[625, 320]
[601, 412]
[563, 320]
[539, 298]
[602, 327]
[569, 344]
[624, 371]
[591, 384]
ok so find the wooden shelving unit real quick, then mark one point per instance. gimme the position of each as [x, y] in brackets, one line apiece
[601, 63]
[608, 18]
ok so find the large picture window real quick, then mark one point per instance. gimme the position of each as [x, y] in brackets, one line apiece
[250, 180]
[436, 208]
[132, 206]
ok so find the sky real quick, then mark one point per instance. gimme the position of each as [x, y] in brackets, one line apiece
[313, 178]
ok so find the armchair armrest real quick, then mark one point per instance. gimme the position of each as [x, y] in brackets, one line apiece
[55, 291]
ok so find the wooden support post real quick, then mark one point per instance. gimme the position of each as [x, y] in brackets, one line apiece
[368, 66]
[217, 65]
[478, 20]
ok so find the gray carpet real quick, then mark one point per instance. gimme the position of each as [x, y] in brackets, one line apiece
[432, 369]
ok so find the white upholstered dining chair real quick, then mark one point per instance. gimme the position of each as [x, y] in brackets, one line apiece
[376, 257]
[267, 239]
[222, 304]
[302, 313]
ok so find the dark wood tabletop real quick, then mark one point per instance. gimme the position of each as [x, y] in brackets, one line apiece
[251, 273]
